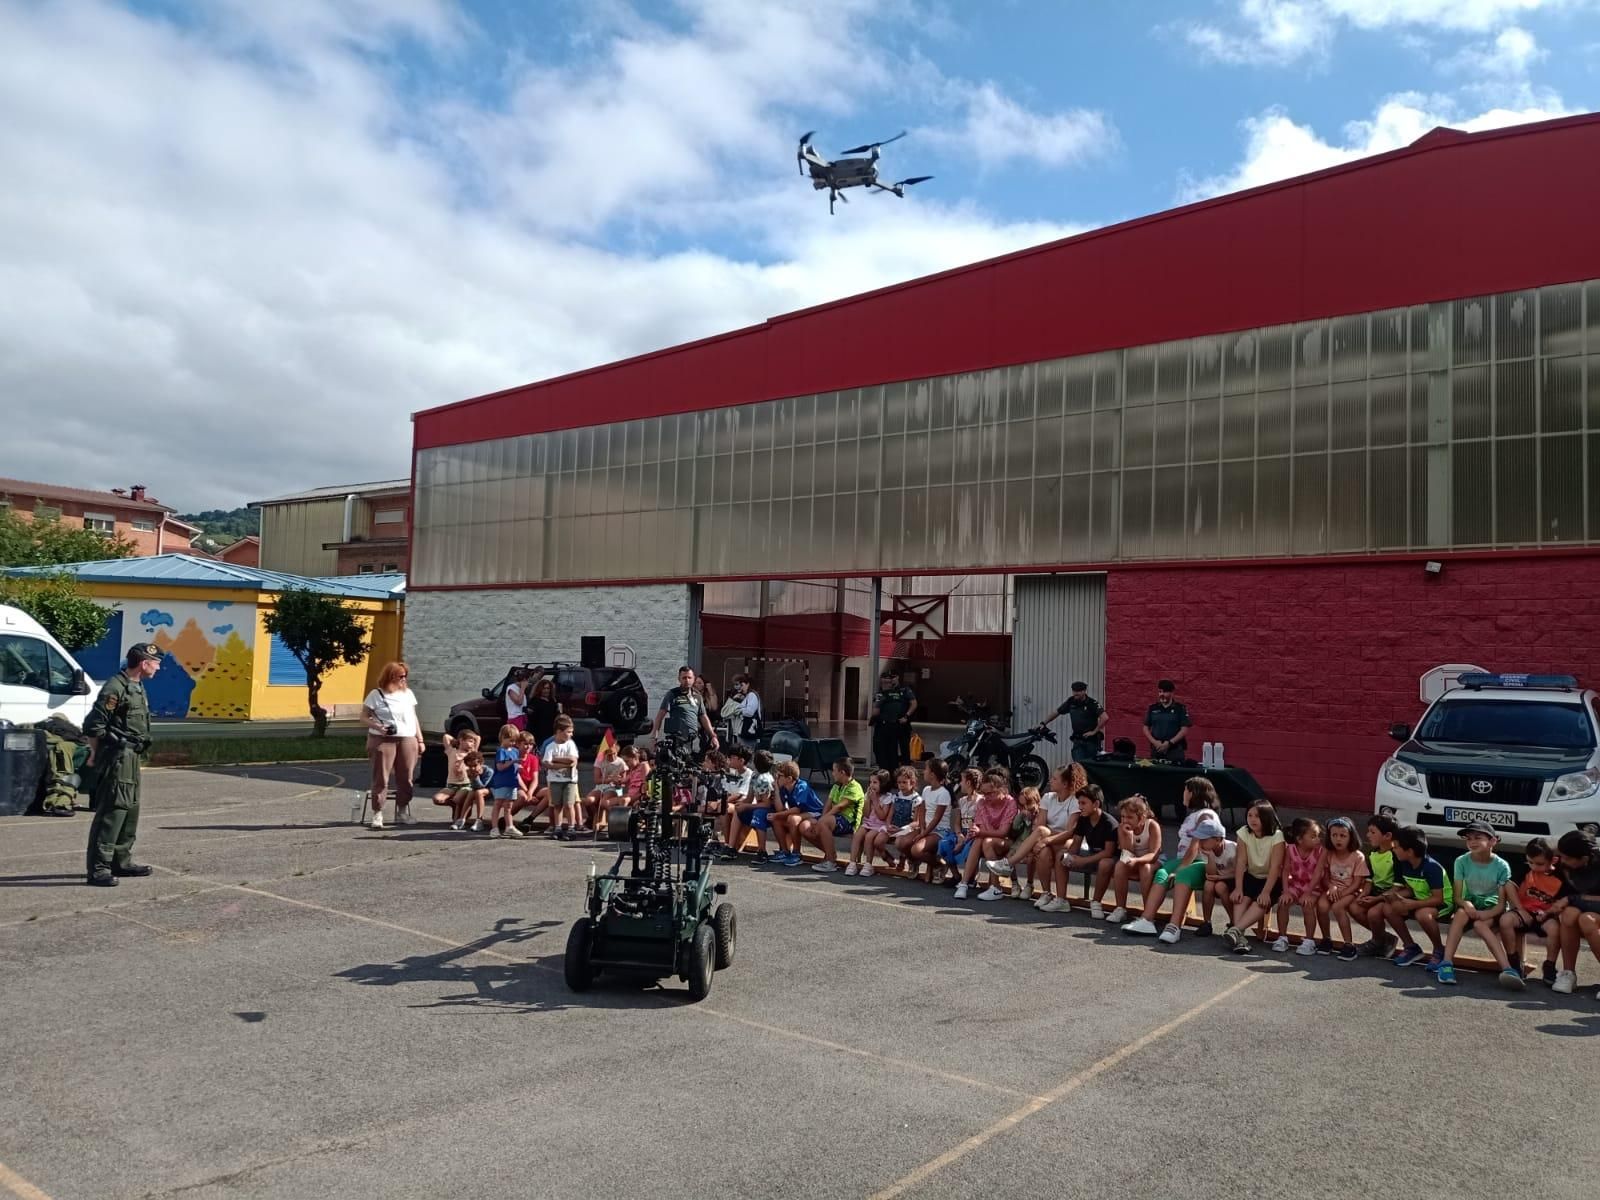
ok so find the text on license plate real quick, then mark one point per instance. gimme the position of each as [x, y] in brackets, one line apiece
[1486, 815]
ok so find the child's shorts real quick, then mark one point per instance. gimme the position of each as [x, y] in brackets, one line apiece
[564, 793]
[842, 826]
[503, 793]
[1536, 926]
[758, 818]
[1255, 888]
[877, 824]
[948, 852]
[1172, 872]
[1588, 904]
[458, 791]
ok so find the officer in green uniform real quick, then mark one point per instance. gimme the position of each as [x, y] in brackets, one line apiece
[892, 709]
[119, 731]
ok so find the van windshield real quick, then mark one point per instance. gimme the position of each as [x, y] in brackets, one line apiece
[1509, 723]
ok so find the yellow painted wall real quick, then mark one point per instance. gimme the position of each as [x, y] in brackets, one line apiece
[346, 685]
[293, 534]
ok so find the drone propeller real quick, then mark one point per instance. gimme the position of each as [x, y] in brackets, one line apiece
[800, 154]
[874, 145]
[912, 180]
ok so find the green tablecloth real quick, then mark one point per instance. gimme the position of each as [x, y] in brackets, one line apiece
[1162, 783]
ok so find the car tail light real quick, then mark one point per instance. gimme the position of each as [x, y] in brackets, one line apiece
[591, 698]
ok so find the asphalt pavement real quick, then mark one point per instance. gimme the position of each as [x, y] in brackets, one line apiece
[295, 1006]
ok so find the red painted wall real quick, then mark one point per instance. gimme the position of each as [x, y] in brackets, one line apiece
[1433, 221]
[1300, 670]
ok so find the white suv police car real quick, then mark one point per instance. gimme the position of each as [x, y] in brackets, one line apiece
[1521, 752]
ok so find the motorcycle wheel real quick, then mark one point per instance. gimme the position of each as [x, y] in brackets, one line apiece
[1031, 772]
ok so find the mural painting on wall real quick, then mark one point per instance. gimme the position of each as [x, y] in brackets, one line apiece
[210, 652]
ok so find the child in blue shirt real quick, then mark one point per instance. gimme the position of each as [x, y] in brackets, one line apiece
[503, 783]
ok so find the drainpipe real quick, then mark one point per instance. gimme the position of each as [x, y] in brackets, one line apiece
[349, 516]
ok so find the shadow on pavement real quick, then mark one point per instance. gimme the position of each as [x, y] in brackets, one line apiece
[73, 880]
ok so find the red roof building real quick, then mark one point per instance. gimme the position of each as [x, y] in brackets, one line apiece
[129, 513]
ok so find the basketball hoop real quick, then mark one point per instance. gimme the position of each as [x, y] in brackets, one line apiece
[919, 618]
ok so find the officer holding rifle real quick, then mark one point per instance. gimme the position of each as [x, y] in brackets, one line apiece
[118, 728]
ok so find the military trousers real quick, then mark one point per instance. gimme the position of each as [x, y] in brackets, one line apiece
[116, 815]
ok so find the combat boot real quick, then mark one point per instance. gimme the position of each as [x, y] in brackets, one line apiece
[132, 870]
[102, 877]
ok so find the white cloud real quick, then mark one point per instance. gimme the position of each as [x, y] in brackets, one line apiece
[995, 130]
[234, 258]
[1278, 148]
[1509, 56]
[1280, 32]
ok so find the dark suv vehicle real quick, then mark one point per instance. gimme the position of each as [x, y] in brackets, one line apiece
[596, 698]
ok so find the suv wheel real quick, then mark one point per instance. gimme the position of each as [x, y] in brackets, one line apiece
[629, 710]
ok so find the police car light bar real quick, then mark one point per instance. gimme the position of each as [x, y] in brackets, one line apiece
[1483, 679]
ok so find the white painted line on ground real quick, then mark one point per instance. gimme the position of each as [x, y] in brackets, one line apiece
[18, 1186]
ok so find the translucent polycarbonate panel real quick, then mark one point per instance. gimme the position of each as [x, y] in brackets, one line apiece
[1591, 310]
[969, 400]
[867, 506]
[1472, 494]
[1388, 333]
[1591, 403]
[1202, 511]
[1239, 426]
[1469, 331]
[1274, 501]
[941, 459]
[1419, 427]
[1272, 422]
[1139, 375]
[941, 524]
[992, 399]
[1049, 438]
[1019, 405]
[1311, 353]
[1077, 436]
[1388, 411]
[1310, 417]
[892, 526]
[687, 484]
[942, 414]
[778, 533]
[1516, 399]
[827, 417]
[1078, 378]
[1205, 366]
[916, 468]
[1310, 504]
[1516, 491]
[1017, 521]
[1045, 519]
[965, 540]
[1019, 437]
[1430, 336]
[723, 471]
[1239, 354]
[1169, 512]
[965, 448]
[1276, 366]
[992, 547]
[1138, 491]
[1171, 429]
[1561, 320]
[991, 451]
[761, 475]
[1469, 403]
[1138, 437]
[894, 462]
[825, 470]
[1561, 489]
[896, 404]
[847, 425]
[1347, 422]
[869, 412]
[689, 429]
[1205, 428]
[1104, 515]
[1420, 482]
[916, 541]
[1347, 342]
[1075, 490]
[803, 474]
[1515, 320]
[803, 414]
[666, 485]
[1389, 528]
[1172, 371]
[1347, 501]
[1106, 440]
[1107, 379]
[1049, 384]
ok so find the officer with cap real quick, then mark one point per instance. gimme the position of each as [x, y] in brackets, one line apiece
[118, 728]
[1088, 718]
[892, 709]
[1166, 725]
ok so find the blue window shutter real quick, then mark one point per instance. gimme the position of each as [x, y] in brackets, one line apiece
[284, 668]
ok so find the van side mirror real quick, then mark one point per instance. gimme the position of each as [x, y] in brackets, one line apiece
[1400, 733]
[80, 682]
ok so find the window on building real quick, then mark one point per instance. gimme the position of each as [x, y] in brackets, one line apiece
[144, 526]
[46, 512]
[390, 568]
[364, 569]
[100, 523]
[28, 662]
[389, 516]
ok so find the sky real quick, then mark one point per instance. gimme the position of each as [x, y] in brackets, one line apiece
[240, 243]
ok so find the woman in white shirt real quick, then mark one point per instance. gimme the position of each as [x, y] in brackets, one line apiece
[394, 741]
[516, 698]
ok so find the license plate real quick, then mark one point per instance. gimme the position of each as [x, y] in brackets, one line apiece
[1487, 815]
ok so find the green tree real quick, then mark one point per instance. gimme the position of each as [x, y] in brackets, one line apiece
[57, 603]
[321, 632]
[47, 542]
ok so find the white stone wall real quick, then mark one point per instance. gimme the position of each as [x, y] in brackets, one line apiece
[459, 642]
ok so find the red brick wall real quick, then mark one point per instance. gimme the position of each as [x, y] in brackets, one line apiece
[1300, 669]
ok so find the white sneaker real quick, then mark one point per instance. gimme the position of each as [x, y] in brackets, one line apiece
[1024, 886]
[1141, 927]
[854, 869]
[477, 827]
[1282, 945]
[513, 831]
[1117, 917]
[1056, 905]
[1096, 911]
[1043, 901]
[377, 820]
[998, 866]
[1307, 948]
[826, 867]
[495, 832]
[867, 869]
[1171, 934]
[961, 894]
[1565, 982]
[991, 893]
[403, 817]
[458, 824]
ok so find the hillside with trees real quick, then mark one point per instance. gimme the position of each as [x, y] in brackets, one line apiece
[225, 526]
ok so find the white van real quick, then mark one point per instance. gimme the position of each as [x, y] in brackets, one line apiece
[37, 676]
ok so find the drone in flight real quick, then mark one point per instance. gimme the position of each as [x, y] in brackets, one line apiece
[849, 172]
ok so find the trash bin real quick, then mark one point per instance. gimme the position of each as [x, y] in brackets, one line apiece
[21, 769]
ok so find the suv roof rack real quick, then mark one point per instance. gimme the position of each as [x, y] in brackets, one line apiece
[1474, 680]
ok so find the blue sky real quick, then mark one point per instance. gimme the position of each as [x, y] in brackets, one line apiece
[253, 238]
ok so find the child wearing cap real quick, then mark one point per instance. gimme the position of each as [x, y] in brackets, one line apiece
[1481, 878]
[1421, 892]
[1534, 907]
[1185, 876]
[1580, 920]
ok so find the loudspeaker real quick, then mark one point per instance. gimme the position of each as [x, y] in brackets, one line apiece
[593, 652]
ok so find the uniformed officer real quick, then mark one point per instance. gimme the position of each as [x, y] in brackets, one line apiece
[118, 728]
[892, 709]
[1088, 718]
[1166, 725]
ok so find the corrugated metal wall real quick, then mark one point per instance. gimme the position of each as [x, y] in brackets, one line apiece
[292, 536]
[1060, 636]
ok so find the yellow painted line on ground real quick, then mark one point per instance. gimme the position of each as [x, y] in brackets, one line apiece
[18, 1186]
[1060, 1091]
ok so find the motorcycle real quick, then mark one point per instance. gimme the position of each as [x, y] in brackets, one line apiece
[983, 742]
